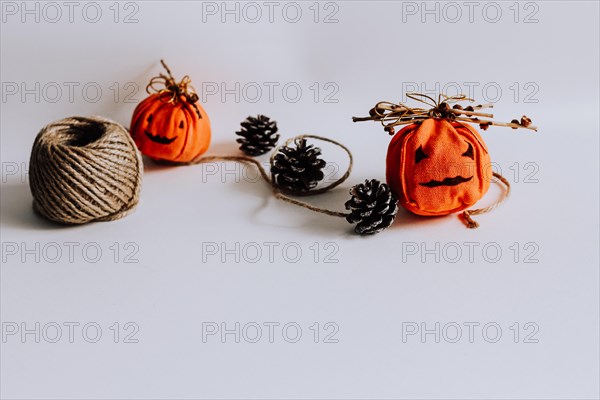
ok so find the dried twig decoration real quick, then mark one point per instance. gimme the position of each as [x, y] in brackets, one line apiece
[177, 90]
[391, 114]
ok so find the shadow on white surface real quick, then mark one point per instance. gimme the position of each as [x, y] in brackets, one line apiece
[17, 212]
[229, 148]
[405, 218]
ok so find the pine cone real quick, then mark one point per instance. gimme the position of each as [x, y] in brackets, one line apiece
[258, 135]
[373, 207]
[298, 169]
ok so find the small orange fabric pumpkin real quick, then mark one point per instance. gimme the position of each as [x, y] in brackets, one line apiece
[438, 167]
[170, 124]
[168, 130]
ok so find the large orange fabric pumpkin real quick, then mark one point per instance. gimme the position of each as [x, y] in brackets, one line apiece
[438, 167]
[170, 130]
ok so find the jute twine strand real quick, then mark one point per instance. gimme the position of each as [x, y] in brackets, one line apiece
[390, 114]
[276, 191]
[83, 170]
[467, 214]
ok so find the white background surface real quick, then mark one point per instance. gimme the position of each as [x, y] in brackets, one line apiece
[375, 287]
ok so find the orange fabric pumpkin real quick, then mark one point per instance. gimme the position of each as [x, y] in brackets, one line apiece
[169, 130]
[438, 167]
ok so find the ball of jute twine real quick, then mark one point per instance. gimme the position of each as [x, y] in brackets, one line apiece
[83, 170]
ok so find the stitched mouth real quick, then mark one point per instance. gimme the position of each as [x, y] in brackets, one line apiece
[446, 182]
[160, 139]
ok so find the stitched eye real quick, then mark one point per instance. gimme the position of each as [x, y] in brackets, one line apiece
[469, 152]
[419, 155]
[181, 125]
[149, 118]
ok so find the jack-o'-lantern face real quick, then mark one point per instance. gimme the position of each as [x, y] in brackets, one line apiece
[170, 131]
[438, 167]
